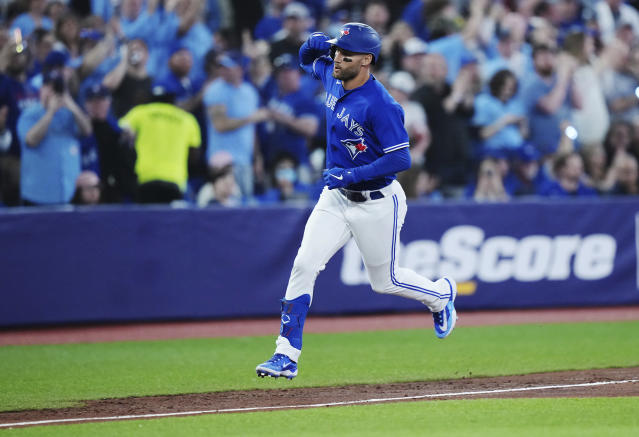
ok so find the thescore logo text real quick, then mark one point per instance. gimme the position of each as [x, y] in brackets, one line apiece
[464, 253]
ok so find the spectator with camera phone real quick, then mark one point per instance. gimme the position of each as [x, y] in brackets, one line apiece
[549, 96]
[49, 133]
[130, 82]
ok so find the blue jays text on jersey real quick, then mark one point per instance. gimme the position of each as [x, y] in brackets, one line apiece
[362, 124]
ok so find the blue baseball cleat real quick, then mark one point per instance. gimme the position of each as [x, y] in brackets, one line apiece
[278, 365]
[446, 318]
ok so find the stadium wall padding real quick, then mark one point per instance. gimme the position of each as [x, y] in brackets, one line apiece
[120, 264]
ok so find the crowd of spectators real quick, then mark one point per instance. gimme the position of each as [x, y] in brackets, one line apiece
[203, 101]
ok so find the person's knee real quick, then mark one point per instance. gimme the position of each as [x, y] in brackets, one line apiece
[379, 278]
[380, 281]
[304, 266]
[383, 288]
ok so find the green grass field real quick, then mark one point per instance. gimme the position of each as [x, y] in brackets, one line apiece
[61, 375]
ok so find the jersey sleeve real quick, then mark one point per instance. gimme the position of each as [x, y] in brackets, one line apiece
[388, 126]
[320, 68]
[386, 165]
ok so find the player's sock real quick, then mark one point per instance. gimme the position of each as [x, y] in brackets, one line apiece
[292, 326]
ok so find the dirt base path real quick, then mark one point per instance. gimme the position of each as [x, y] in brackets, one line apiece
[586, 383]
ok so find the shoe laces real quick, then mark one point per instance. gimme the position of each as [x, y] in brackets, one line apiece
[439, 317]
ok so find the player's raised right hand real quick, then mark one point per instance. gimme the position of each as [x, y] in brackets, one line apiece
[318, 41]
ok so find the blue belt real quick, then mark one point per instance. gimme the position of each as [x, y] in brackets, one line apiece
[358, 196]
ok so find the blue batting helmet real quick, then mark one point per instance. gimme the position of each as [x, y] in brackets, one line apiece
[359, 38]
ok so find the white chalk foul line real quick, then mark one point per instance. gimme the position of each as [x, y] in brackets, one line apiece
[327, 404]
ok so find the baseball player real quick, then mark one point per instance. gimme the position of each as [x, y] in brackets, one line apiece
[366, 146]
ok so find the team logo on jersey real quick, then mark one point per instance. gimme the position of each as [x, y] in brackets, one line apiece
[355, 146]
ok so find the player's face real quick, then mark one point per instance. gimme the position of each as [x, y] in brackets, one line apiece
[347, 64]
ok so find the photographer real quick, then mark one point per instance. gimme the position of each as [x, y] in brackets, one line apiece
[550, 96]
[129, 81]
[490, 184]
[49, 134]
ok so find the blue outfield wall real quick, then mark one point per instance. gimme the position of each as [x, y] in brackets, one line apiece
[129, 264]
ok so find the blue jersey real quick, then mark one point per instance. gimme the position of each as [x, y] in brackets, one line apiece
[362, 124]
[276, 137]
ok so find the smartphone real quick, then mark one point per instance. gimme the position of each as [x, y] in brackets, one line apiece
[17, 37]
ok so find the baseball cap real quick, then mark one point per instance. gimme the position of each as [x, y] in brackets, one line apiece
[415, 46]
[51, 76]
[176, 47]
[91, 34]
[495, 153]
[468, 58]
[402, 81]
[169, 86]
[296, 10]
[158, 89]
[97, 90]
[159, 93]
[285, 62]
[528, 153]
[232, 59]
[56, 58]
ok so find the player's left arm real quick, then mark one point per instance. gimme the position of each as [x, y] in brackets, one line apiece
[388, 127]
[389, 164]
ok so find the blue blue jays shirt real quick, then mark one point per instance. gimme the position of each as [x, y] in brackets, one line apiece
[362, 124]
[49, 170]
[276, 138]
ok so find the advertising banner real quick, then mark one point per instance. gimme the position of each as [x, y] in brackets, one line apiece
[129, 264]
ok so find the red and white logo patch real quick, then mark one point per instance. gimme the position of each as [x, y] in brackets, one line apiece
[355, 146]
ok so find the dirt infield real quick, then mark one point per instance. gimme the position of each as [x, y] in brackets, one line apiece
[316, 324]
[587, 383]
